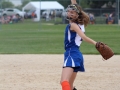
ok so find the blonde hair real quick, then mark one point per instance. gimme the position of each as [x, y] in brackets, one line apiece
[83, 18]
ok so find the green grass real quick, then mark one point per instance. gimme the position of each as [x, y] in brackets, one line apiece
[44, 38]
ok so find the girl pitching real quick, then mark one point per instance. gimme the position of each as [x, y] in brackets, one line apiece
[74, 35]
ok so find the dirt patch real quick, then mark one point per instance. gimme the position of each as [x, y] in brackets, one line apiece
[42, 72]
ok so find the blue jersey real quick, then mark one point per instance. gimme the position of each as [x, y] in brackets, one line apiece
[72, 39]
[72, 56]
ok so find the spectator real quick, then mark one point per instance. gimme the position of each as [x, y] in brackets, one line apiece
[51, 14]
[10, 21]
[47, 17]
[14, 19]
[0, 19]
[110, 19]
[33, 14]
[8, 18]
[106, 15]
[5, 19]
[92, 18]
[26, 16]
[19, 18]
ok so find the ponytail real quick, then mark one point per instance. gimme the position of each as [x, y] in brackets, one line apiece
[83, 18]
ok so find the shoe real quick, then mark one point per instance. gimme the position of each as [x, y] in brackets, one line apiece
[74, 88]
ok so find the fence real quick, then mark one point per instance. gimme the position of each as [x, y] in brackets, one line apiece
[56, 15]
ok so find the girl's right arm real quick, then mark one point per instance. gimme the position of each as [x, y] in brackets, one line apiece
[76, 28]
[73, 2]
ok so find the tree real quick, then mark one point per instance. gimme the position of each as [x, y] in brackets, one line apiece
[99, 3]
[19, 7]
[84, 3]
[6, 4]
[24, 2]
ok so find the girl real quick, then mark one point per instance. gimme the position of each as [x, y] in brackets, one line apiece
[74, 35]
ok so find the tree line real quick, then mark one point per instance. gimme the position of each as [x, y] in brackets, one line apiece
[82, 3]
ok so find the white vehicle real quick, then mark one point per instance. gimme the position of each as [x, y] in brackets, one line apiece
[13, 11]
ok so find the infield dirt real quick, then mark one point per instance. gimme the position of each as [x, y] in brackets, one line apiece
[42, 72]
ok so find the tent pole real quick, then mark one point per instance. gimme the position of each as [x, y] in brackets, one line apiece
[1, 8]
[118, 13]
[40, 16]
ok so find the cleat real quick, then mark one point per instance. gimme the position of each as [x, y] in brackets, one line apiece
[74, 88]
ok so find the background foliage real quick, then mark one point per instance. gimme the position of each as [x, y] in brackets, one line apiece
[83, 3]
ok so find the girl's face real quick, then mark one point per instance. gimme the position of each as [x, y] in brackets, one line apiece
[72, 14]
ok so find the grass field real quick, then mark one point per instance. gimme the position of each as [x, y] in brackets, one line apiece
[46, 38]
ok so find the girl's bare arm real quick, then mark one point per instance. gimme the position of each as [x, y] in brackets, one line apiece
[76, 28]
[73, 2]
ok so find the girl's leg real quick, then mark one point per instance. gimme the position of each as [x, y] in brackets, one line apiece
[65, 77]
[72, 79]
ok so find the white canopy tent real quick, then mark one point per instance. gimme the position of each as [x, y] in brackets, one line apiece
[42, 5]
